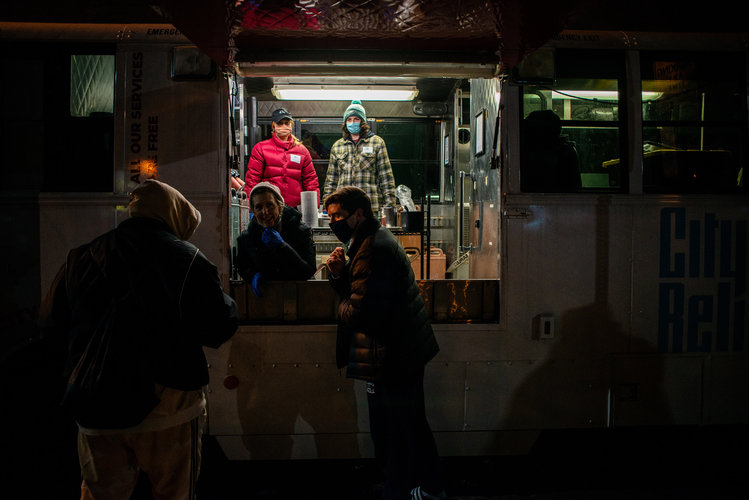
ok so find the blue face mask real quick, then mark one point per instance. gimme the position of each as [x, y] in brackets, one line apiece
[353, 127]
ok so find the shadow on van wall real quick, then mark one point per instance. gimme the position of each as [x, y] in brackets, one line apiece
[276, 399]
[571, 388]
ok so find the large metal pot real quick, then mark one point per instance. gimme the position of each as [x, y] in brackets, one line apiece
[389, 217]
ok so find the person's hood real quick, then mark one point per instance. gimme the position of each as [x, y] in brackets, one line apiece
[156, 200]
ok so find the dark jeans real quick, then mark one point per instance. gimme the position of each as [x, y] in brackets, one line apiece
[403, 442]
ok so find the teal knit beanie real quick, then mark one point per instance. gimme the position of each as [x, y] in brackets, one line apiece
[355, 109]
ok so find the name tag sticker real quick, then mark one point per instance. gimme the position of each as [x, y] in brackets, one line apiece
[295, 158]
[367, 149]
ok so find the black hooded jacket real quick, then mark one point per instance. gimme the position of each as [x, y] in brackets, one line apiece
[383, 328]
[181, 308]
[294, 260]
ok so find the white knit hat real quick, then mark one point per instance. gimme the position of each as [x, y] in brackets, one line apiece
[267, 186]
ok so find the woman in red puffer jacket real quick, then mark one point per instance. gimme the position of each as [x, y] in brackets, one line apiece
[284, 161]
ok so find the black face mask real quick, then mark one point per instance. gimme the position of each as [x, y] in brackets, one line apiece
[342, 230]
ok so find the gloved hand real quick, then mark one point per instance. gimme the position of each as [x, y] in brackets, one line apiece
[257, 282]
[271, 238]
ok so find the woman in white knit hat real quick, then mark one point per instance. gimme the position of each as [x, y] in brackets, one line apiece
[360, 158]
[277, 245]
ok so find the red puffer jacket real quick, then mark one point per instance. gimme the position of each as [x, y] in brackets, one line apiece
[286, 165]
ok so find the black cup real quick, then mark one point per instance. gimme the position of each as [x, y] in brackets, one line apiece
[412, 222]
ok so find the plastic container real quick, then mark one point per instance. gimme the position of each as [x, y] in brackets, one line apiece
[437, 263]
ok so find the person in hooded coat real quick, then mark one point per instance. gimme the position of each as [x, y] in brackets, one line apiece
[277, 245]
[178, 307]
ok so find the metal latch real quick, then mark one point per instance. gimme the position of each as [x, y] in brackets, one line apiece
[517, 213]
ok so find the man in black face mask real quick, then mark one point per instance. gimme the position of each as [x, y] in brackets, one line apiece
[384, 338]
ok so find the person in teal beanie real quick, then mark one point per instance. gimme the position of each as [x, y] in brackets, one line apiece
[360, 158]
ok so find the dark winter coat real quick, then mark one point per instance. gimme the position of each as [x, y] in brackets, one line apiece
[181, 304]
[383, 329]
[294, 260]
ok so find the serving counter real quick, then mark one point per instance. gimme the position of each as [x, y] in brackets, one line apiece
[277, 394]
[315, 302]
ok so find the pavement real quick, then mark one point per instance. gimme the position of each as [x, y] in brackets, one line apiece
[688, 470]
[466, 479]
[39, 458]
[657, 464]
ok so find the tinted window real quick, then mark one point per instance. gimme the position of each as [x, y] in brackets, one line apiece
[694, 122]
[571, 132]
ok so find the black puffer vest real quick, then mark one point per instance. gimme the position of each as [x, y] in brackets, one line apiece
[383, 326]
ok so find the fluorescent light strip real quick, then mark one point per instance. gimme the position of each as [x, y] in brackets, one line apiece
[343, 93]
[601, 95]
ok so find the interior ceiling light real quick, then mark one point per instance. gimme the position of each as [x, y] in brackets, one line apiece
[601, 95]
[344, 92]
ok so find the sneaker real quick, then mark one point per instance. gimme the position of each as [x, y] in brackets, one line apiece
[419, 494]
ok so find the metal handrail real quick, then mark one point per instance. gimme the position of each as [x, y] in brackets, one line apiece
[462, 204]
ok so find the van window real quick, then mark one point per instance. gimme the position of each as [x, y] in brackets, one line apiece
[694, 122]
[91, 84]
[414, 148]
[79, 118]
[571, 131]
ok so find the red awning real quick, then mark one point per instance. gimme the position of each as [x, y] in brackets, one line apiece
[500, 30]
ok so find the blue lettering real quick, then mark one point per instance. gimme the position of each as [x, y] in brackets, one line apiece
[715, 255]
[700, 311]
[670, 316]
[723, 317]
[694, 249]
[740, 256]
[710, 225]
[739, 325]
[679, 230]
[725, 250]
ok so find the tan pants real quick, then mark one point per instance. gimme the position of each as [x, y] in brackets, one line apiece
[170, 457]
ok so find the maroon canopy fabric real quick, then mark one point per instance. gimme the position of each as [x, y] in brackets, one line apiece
[508, 29]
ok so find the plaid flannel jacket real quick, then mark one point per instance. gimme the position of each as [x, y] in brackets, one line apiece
[365, 165]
